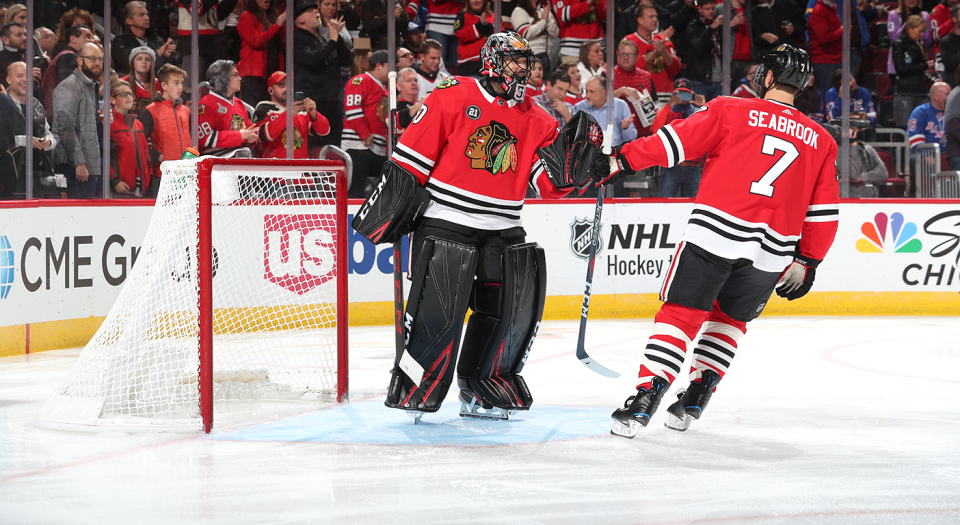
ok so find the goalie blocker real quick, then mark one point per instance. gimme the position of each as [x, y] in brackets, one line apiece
[500, 332]
[395, 207]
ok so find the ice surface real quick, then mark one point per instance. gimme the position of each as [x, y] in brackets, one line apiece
[821, 420]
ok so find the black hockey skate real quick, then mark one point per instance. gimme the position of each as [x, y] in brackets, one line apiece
[638, 409]
[493, 398]
[692, 401]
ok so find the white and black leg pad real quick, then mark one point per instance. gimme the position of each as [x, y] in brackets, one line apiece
[502, 329]
[433, 321]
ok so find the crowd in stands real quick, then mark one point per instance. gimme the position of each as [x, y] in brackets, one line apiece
[667, 61]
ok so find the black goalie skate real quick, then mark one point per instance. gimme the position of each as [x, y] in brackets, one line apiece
[638, 409]
[692, 401]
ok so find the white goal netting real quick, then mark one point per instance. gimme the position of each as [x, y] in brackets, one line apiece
[279, 302]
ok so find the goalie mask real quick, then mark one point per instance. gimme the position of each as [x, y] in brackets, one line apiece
[790, 66]
[499, 58]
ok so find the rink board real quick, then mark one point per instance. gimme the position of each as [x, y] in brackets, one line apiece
[62, 264]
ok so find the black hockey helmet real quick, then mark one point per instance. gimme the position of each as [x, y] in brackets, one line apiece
[790, 66]
[498, 50]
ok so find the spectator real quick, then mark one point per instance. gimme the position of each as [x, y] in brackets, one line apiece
[271, 116]
[144, 80]
[18, 13]
[230, 41]
[129, 156]
[941, 21]
[742, 47]
[261, 39]
[72, 18]
[535, 82]
[683, 12]
[45, 39]
[926, 120]
[329, 13]
[474, 24]
[441, 17]
[912, 67]
[765, 27]
[374, 14]
[826, 47]
[591, 61]
[208, 33]
[77, 123]
[552, 98]
[43, 140]
[575, 91]
[684, 176]
[406, 59]
[410, 100]
[809, 101]
[8, 170]
[365, 133]
[13, 35]
[578, 21]
[951, 120]
[166, 121]
[629, 81]
[705, 61]
[596, 105]
[63, 64]
[860, 100]
[790, 22]
[537, 25]
[866, 168]
[225, 129]
[656, 53]
[428, 72]
[317, 66]
[137, 33]
[950, 47]
[413, 38]
[747, 87]
[896, 22]
[862, 14]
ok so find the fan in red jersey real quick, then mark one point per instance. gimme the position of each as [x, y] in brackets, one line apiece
[225, 127]
[476, 145]
[766, 213]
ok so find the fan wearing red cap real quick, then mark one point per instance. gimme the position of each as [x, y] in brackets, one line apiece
[272, 116]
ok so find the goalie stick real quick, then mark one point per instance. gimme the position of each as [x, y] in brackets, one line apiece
[595, 239]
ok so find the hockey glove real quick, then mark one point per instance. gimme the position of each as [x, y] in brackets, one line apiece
[797, 280]
[611, 174]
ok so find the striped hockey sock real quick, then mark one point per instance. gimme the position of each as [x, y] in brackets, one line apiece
[674, 328]
[717, 345]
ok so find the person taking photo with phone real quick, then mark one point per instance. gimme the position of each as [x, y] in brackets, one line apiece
[271, 116]
[685, 176]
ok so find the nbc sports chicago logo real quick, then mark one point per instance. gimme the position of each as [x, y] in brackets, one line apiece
[889, 235]
[6, 267]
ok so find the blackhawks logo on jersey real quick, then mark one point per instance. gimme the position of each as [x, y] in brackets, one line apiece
[357, 80]
[447, 82]
[492, 148]
[236, 123]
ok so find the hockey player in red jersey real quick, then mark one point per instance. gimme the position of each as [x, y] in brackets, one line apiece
[225, 129]
[766, 213]
[476, 145]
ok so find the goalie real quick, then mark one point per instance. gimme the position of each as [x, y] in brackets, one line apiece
[458, 178]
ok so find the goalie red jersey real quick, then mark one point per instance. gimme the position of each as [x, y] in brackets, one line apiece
[476, 154]
[769, 184]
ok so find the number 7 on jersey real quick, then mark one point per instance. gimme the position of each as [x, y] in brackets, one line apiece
[771, 145]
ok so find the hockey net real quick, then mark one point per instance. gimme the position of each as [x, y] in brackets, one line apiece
[239, 292]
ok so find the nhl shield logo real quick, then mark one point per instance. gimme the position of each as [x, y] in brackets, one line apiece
[299, 251]
[581, 235]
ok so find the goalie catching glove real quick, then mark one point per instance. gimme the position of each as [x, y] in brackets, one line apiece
[798, 277]
[575, 158]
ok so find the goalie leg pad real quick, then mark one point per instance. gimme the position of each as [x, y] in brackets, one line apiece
[433, 321]
[502, 330]
[395, 207]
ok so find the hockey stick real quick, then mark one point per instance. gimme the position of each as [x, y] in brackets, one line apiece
[400, 339]
[581, 349]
